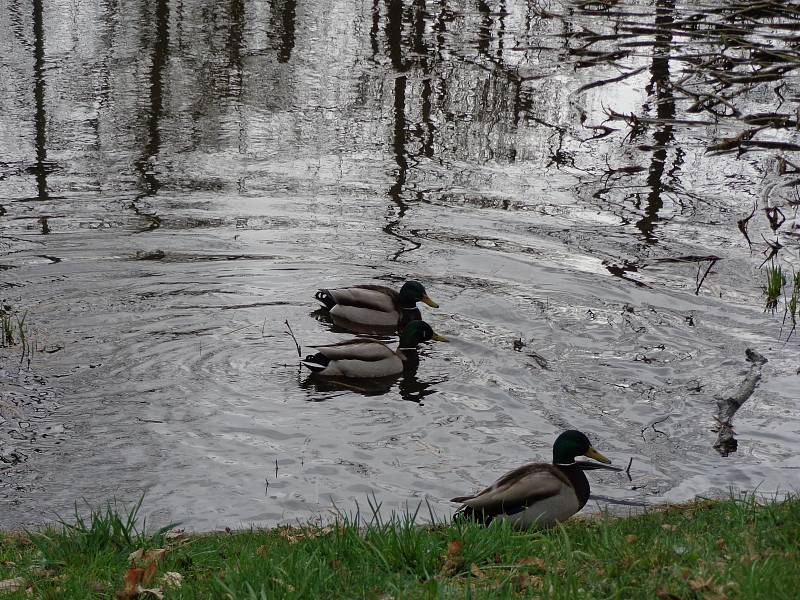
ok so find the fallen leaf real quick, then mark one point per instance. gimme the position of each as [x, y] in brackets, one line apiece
[454, 561]
[42, 572]
[720, 543]
[668, 527]
[665, 595]
[476, 571]
[289, 587]
[455, 547]
[532, 561]
[133, 579]
[629, 539]
[174, 534]
[698, 584]
[149, 572]
[98, 587]
[171, 579]
[12, 585]
[147, 556]
[523, 582]
[262, 550]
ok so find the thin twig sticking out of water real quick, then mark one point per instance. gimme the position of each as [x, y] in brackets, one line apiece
[628, 470]
[291, 333]
[699, 280]
[742, 223]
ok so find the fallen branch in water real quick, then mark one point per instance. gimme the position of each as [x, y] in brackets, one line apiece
[728, 404]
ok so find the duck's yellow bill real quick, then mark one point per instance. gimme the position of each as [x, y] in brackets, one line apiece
[592, 453]
[439, 338]
[427, 300]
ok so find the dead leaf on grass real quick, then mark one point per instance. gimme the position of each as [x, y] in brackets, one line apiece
[12, 585]
[476, 571]
[533, 561]
[133, 580]
[668, 527]
[523, 582]
[454, 560]
[629, 539]
[147, 556]
[700, 584]
[174, 535]
[665, 595]
[262, 550]
[171, 579]
[42, 572]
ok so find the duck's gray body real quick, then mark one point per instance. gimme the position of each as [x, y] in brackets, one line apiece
[355, 359]
[370, 304]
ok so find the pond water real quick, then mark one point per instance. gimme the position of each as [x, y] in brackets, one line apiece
[178, 177]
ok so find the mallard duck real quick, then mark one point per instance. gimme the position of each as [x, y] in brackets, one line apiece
[376, 304]
[539, 494]
[365, 357]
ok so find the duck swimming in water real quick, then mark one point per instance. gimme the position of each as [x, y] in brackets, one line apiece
[376, 305]
[367, 358]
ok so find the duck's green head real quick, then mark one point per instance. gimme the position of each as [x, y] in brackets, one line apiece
[573, 443]
[413, 292]
[417, 332]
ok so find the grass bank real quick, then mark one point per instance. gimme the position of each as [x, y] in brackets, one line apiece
[712, 550]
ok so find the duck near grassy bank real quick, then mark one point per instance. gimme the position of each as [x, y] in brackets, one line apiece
[539, 494]
[376, 305]
[361, 358]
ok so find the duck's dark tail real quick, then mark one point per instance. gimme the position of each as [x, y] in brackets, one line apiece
[325, 298]
[316, 362]
[467, 514]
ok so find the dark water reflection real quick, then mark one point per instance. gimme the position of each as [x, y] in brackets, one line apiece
[178, 178]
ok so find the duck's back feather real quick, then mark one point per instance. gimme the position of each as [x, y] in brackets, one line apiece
[372, 297]
[520, 487]
[359, 349]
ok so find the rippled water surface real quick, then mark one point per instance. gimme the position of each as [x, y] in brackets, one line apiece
[178, 177]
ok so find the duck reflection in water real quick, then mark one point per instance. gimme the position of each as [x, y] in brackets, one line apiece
[369, 366]
[341, 325]
[410, 387]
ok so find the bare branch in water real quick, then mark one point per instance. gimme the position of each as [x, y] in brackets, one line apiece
[728, 404]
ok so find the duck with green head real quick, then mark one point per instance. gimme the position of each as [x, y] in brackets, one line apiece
[376, 305]
[539, 494]
[367, 358]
